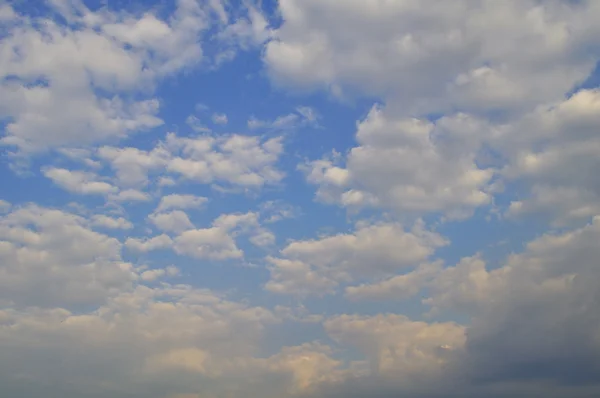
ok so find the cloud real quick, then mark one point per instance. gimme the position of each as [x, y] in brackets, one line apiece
[218, 241]
[160, 335]
[219, 118]
[148, 244]
[104, 221]
[130, 195]
[409, 165]
[152, 275]
[172, 221]
[50, 257]
[131, 165]
[395, 345]
[458, 131]
[274, 211]
[553, 148]
[81, 182]
[317, 266]
[231, 160]
[534, 293]
[397, 287]
[434, 57]
[550, 288]
[304, 116]
[105, 57]
[178, 201]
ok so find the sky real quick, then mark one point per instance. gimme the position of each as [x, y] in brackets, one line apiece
[299, 198]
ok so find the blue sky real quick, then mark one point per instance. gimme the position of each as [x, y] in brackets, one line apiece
[299, 198]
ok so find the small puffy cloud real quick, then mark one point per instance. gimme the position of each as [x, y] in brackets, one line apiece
[219, 118]
[180, 201]
[101, 220]
[196, 124]
[148, 244]
[263, 238]
[172, 221]
[274, 211]
[131, 165]
[152, 275]
[218, 241]
[81, 182]
[212, 243]
[236, 160]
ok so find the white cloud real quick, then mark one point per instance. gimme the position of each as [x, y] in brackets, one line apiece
[212, 243]
[371, 251]
[263, 238]
[274, 211]
[152, 275]
[218, 241]
[148, 244]
[219, 118]
[180, 201]
[397, 287]
[104, 221]
[50, 257]
[555, 148]
[236, 160]
[173, 221]
[90, 59]
[105, 56]
[131, 164]
[409, 165]
[196, 124]
[296, 277]
[431, 57]
[130, 195]
[81, 182]
[464, 113]
[304, 116]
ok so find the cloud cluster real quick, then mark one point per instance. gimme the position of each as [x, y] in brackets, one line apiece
[88, 69]
[483, 114]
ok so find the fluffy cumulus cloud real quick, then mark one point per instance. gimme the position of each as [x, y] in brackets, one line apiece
[315, 266]
[436, 56]
[300, 199]
[409, 165]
